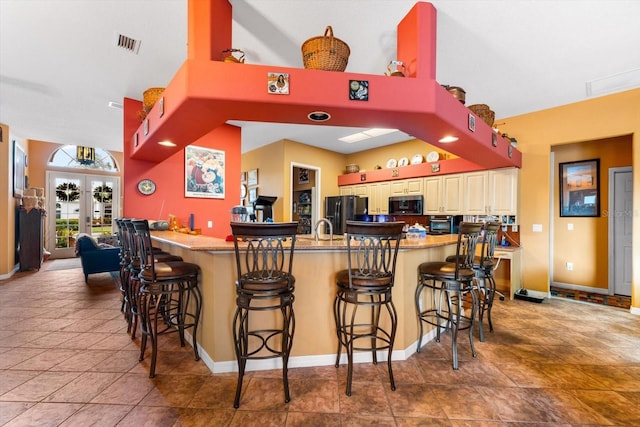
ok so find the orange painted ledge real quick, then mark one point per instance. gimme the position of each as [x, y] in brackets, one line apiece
[205, 94]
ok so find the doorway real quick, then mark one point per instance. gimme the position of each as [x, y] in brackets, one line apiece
[305, 196]
[79, 203]
[620, 230]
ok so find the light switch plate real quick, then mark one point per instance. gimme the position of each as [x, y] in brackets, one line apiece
[537, 228]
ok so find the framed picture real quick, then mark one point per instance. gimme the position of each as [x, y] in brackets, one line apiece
[580, 188]
[253, 194]
[472, 123]
[278, 83]
[252, 177]
[303, 176]
[243, 177]
[19, 166]
[204, 172]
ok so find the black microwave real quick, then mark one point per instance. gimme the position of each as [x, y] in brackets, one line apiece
[405, 205]
[444, 224]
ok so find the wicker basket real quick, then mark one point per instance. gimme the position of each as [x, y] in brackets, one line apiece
[484, 112]
[325, 52]
[150, 97]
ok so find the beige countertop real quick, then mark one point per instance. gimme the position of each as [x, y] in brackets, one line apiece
[304, 242]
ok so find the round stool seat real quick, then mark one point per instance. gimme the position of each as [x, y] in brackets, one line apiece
[445, 271]
[257, 284]
[171, 270]
[342, 280]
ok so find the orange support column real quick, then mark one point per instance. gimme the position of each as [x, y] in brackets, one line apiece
[416, 43]
[208, 29]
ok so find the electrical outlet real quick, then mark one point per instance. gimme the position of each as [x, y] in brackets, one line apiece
[209, 224]
[514, 228]
[569, 266]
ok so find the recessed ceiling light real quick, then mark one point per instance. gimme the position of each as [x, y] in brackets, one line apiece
[354, 137]
[167, 144]
[448, 139]
[319, 116]
[366, 134]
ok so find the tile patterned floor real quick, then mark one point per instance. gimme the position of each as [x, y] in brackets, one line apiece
[66, 359]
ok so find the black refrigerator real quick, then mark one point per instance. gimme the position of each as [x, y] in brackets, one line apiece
[339, 209]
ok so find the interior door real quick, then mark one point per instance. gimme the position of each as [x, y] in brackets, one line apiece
[620, 224]
[79, 203]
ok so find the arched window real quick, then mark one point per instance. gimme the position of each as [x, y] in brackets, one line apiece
[66, 157]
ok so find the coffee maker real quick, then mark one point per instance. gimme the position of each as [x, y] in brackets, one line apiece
[263, 209]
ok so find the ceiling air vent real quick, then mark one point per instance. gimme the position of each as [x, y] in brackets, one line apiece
[127, 43]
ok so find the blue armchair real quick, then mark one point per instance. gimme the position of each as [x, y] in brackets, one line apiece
[95, 257]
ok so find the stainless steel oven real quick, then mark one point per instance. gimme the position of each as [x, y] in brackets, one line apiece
[444, 224]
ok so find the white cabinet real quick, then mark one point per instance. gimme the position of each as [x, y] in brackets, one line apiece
[404, 187]
[493, 192]
[379, 198]
[346, 190]
[443, 195]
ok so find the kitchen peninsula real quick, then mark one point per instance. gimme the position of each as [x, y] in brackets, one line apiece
[314, 266]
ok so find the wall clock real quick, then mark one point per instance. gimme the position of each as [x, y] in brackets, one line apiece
[146, 187]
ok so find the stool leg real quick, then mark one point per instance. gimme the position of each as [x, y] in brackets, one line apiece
[153, 335]
[482, 298]
[339, 323]
[472, 319]
[288, 329]
[240, 338]
[375, 321]
[418, 296]
[491, 295]
[393, 315]
[197, 299]
[454, 321]
[143, 300]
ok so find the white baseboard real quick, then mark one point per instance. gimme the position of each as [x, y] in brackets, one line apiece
[305, 361]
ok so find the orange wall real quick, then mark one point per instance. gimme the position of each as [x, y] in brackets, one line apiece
[599, 118]
[369, 159]
[169, 177]
[7, 210]
[586, 246]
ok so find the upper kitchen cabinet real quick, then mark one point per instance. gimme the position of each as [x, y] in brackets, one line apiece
[406, 187]
[493, 192]
[379, 198]
[443, 195]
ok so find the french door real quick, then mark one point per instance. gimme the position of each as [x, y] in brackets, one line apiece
[79, 203]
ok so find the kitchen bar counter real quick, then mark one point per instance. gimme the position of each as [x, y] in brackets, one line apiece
[314, 266]
[304, 242]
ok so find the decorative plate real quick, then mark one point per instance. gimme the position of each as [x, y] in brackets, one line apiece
[243, 191]
[416, 159]
[403, 162]
[146, 187]
[391, 163]
[433, 156]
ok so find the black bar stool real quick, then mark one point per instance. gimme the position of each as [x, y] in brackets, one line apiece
[484, 267]
[264, 259]
[450, 280]
[372, 249]
[169, 299]
[133, 262]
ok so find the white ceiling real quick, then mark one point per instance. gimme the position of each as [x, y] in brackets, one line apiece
[60, 67]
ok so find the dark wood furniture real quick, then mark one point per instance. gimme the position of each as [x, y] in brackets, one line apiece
[30, 241]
